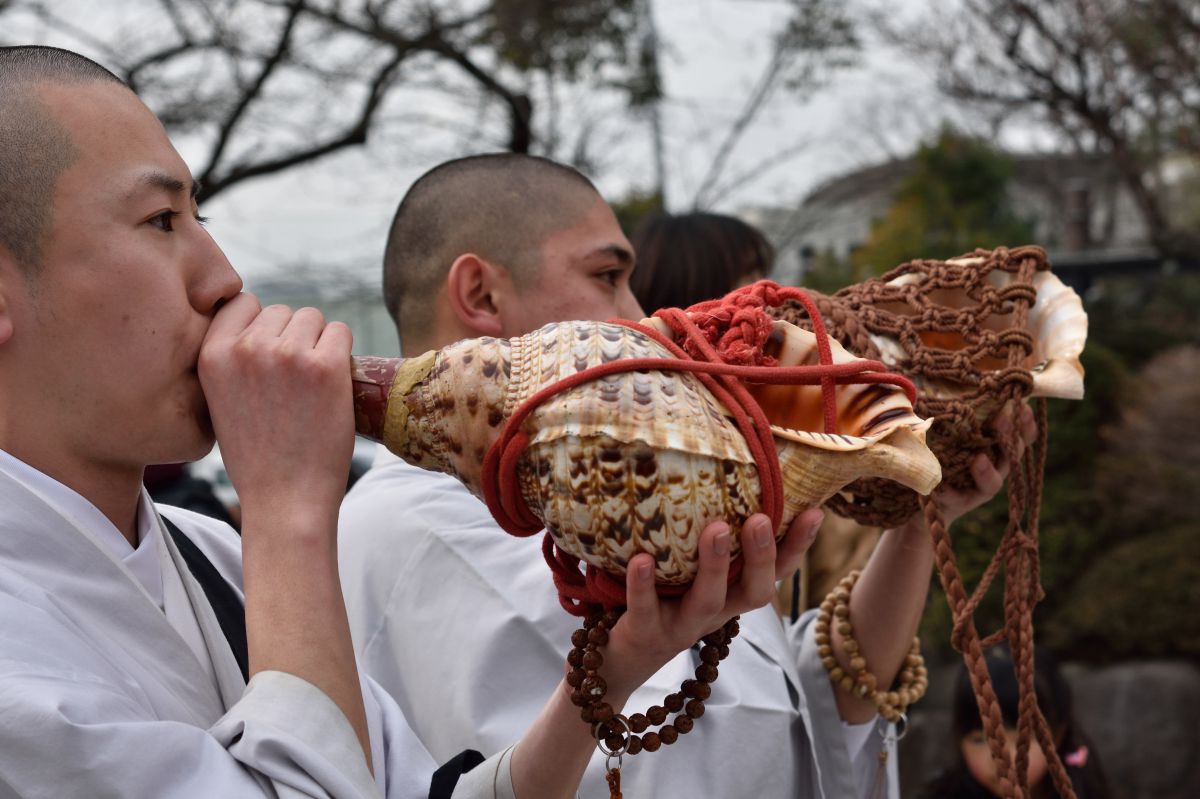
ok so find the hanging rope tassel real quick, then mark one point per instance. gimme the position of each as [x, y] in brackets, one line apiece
[614, 783]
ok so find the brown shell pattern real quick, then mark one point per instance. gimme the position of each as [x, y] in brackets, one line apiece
[637, 461]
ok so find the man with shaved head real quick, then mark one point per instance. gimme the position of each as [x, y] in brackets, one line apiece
[461, 622]
[148, 652]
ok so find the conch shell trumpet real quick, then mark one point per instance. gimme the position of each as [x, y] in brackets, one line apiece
[636, 461]
[972, 333]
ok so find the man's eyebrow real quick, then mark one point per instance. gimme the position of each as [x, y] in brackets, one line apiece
[167, 183]
[621, 253]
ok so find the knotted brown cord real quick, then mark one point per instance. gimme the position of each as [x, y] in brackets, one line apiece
[982, 351]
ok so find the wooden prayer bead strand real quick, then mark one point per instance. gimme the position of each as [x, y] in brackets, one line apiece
[617, 734]
[912, 681]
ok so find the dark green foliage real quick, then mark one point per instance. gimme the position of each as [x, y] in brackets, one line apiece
[1138, 600]
[953, 202]
[1120, 521]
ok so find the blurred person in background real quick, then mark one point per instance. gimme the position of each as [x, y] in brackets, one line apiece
[689, 258]
[973, 774]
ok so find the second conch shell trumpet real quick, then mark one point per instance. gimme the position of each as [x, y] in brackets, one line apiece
[636, 461]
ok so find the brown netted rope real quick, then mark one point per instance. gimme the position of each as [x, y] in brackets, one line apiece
[980, 350]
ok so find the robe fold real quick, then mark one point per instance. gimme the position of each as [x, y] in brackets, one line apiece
[100, 696]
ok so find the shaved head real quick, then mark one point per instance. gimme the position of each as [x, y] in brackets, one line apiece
[501, 207]
[34, 148]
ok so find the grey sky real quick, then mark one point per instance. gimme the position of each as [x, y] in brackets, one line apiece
[335, 212]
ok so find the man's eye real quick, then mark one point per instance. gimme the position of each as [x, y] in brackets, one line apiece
[164, 221]
[612, 276]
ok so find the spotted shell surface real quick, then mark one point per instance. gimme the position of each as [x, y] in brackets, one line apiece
[630, 462]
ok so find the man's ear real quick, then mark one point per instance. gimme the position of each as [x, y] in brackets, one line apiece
[472, 286]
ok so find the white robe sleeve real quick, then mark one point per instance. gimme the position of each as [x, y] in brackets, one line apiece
[65, 737]
[846, 764]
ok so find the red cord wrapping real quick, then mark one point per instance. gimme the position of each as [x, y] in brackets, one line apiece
[722, 341]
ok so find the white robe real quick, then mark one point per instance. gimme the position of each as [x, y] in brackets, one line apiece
[101, 696]
[461, 623]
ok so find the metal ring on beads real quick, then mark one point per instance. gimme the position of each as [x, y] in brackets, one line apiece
[603, 747]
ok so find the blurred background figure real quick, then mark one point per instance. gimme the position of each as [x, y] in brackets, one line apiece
[973, 775]
[688, 258]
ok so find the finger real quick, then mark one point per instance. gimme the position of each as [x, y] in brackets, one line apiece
[640, 596]
[1027, 424]
[801, 534]
[988, 478]
[336, 340]
[756, 584]
[304, 328]
[233, 317]
[706, 597]
[271, 322]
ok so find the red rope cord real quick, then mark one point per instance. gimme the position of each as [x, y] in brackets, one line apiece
[740, 328]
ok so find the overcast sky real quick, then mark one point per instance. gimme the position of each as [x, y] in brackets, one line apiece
[335, 212]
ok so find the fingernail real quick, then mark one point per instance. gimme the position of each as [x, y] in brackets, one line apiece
[816, 525]
[645, 572]
[762, 536]
[721, 543]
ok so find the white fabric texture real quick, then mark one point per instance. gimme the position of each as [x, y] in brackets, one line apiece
[100, 695]
[461, 623]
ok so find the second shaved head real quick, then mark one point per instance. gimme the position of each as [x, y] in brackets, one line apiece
[501, 207]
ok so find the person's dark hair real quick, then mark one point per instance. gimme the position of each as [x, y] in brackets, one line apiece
[685, 259]
[499, 206]
[34, 148]
[1054, 698]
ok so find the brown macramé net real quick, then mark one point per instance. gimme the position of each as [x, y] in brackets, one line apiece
[981, 349]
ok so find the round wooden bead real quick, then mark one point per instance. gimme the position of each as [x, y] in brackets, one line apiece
[706, 672]
[845, 629]
[602, 711]
[714, 638]
[634, 746]
[586, 714]
[842, 611]
[638, 723]
[668, 734]
[683, 724]
[723, 651]
[651, 742]
[575, 677]
[688, 687]
[610, 619]
[575, 658]
[703, 691]
[732, 628]
[674, 703]
[615, 742]
[836, 674]
[597, 636]
[593, 660]
[591, 620]
[694, 708]
[657, 715]
[709, 654]
[594, 686]
[851, 646]
[579, 638]
[858, 663]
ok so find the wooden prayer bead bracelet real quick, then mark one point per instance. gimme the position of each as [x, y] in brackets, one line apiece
[912, 681]
[618, 734]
